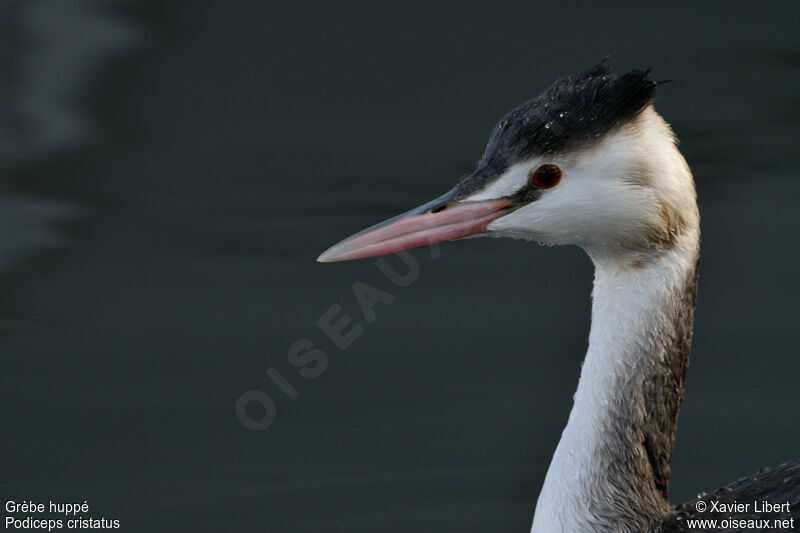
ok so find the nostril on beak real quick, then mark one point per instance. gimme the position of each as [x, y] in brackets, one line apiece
[439, 208]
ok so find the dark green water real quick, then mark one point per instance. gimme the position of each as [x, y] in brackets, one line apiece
[170, 172]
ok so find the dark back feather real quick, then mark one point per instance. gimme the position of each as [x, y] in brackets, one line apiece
[776, 485]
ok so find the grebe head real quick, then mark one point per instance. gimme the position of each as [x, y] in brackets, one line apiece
[588, 162]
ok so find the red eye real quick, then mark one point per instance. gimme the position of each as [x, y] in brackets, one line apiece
[546, 176]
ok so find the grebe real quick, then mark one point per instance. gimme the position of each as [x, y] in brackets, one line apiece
[589, 162]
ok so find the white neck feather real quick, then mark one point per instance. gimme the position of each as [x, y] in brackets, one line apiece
[630, 312]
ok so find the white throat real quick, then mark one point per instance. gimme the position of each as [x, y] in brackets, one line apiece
[634, 314]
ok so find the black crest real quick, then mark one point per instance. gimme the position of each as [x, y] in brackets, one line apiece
[574, 111]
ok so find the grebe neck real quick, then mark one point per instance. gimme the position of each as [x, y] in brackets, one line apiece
[610, 471]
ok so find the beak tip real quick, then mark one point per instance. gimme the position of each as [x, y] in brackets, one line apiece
[329, 256]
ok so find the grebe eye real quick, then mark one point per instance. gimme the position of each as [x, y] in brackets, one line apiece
[546, 176]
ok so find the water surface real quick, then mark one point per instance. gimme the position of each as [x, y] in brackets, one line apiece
[170, 173]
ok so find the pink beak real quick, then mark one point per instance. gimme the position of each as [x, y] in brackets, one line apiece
[433, 222]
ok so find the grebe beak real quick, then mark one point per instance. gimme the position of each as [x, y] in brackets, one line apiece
[442, 219]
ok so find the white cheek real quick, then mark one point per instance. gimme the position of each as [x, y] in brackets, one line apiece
[557, 217]
[583, 208]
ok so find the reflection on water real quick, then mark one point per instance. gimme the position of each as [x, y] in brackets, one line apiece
[244, 140]
[26, 225]
[50, 53]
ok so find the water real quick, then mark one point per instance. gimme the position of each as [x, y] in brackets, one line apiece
[170, 173]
